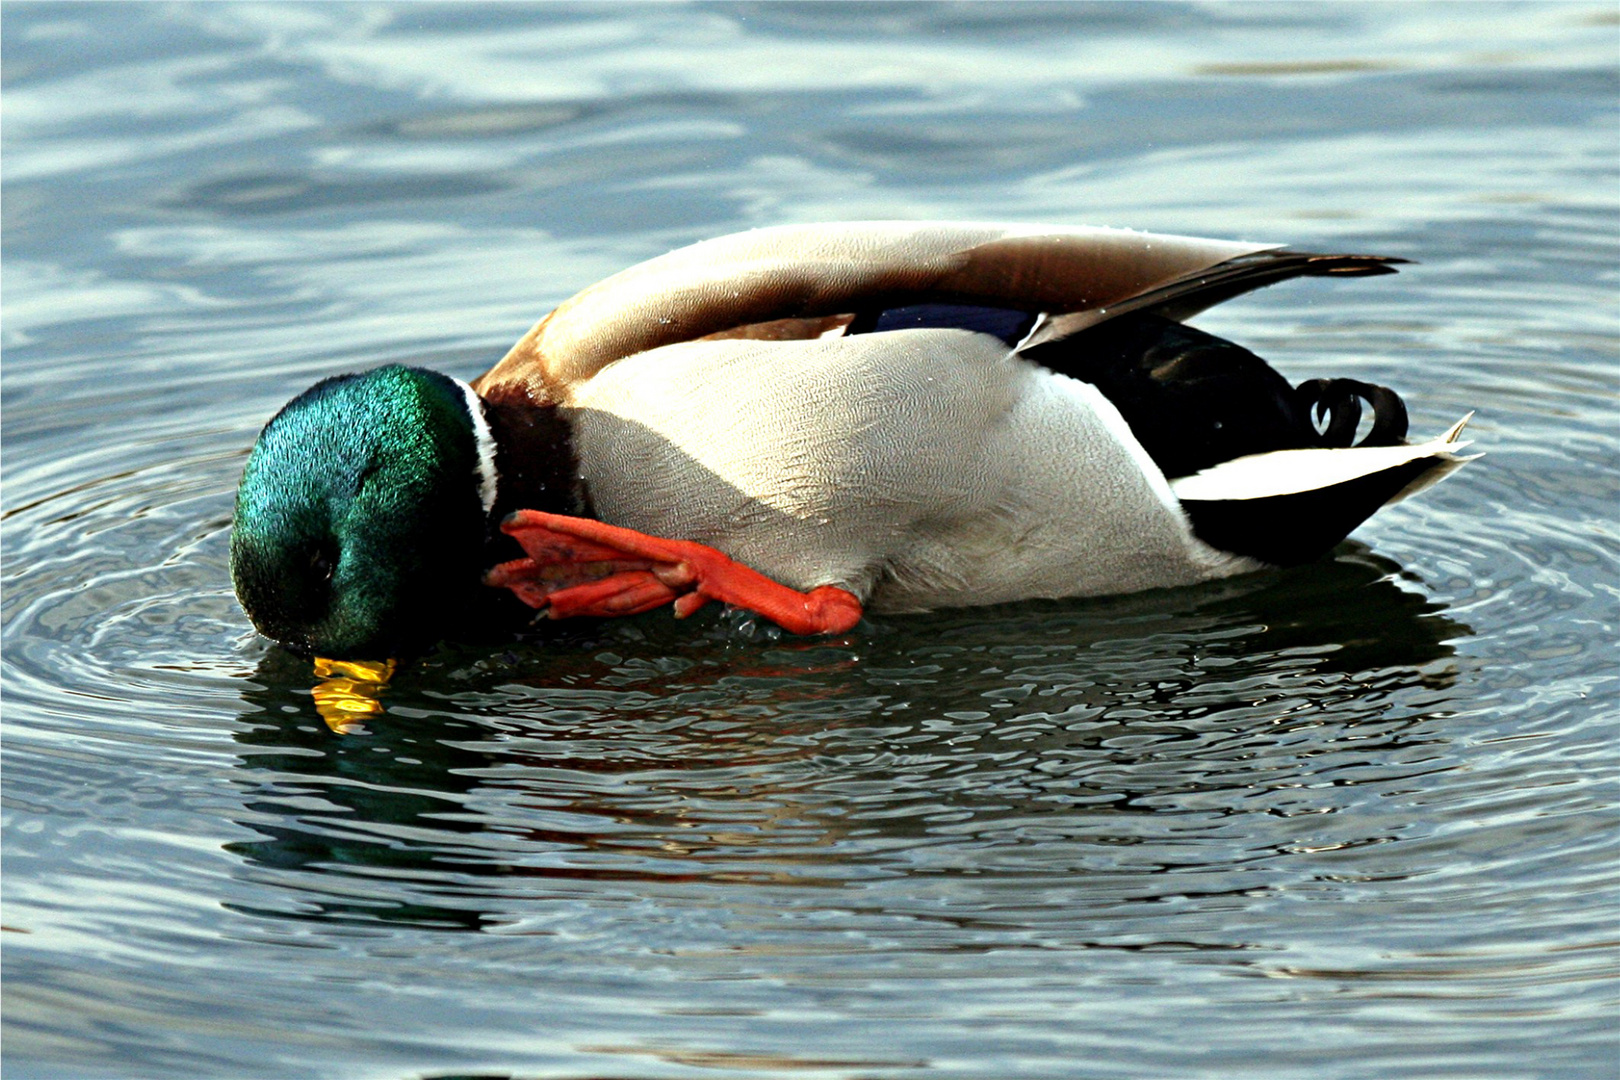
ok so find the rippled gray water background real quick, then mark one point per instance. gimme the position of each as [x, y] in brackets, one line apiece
[1352, 820]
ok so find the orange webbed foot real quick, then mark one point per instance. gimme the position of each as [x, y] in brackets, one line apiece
[577, 566]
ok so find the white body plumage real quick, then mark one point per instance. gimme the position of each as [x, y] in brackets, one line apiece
[919, 468]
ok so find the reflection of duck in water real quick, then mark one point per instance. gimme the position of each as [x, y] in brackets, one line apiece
[897, 415]
[719, 767]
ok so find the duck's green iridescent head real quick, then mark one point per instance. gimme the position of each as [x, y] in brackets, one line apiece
[361, 516]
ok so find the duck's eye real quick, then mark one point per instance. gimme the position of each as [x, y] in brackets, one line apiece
[322, 563]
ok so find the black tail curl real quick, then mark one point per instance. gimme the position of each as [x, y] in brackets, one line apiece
[1338, 403]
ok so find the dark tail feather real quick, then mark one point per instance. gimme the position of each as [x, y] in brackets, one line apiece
[1286, 530]
[1291, 506]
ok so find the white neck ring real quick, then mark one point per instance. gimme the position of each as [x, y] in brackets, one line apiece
[484, 440]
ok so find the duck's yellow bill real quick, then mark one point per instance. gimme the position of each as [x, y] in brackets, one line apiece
[349, 691]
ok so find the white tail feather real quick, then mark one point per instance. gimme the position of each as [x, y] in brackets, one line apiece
[1288, 472]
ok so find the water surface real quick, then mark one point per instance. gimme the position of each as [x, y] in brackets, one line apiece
[1355, 819]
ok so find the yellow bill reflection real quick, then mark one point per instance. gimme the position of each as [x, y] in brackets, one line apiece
[350, 691]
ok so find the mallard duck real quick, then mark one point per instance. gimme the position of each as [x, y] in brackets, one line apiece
[812, 421]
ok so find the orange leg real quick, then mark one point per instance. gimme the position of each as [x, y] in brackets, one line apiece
[577, 566]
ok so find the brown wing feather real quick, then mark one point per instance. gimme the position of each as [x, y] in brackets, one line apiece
[805, 273]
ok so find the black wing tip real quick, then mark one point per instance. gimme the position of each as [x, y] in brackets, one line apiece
[1314, 265]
